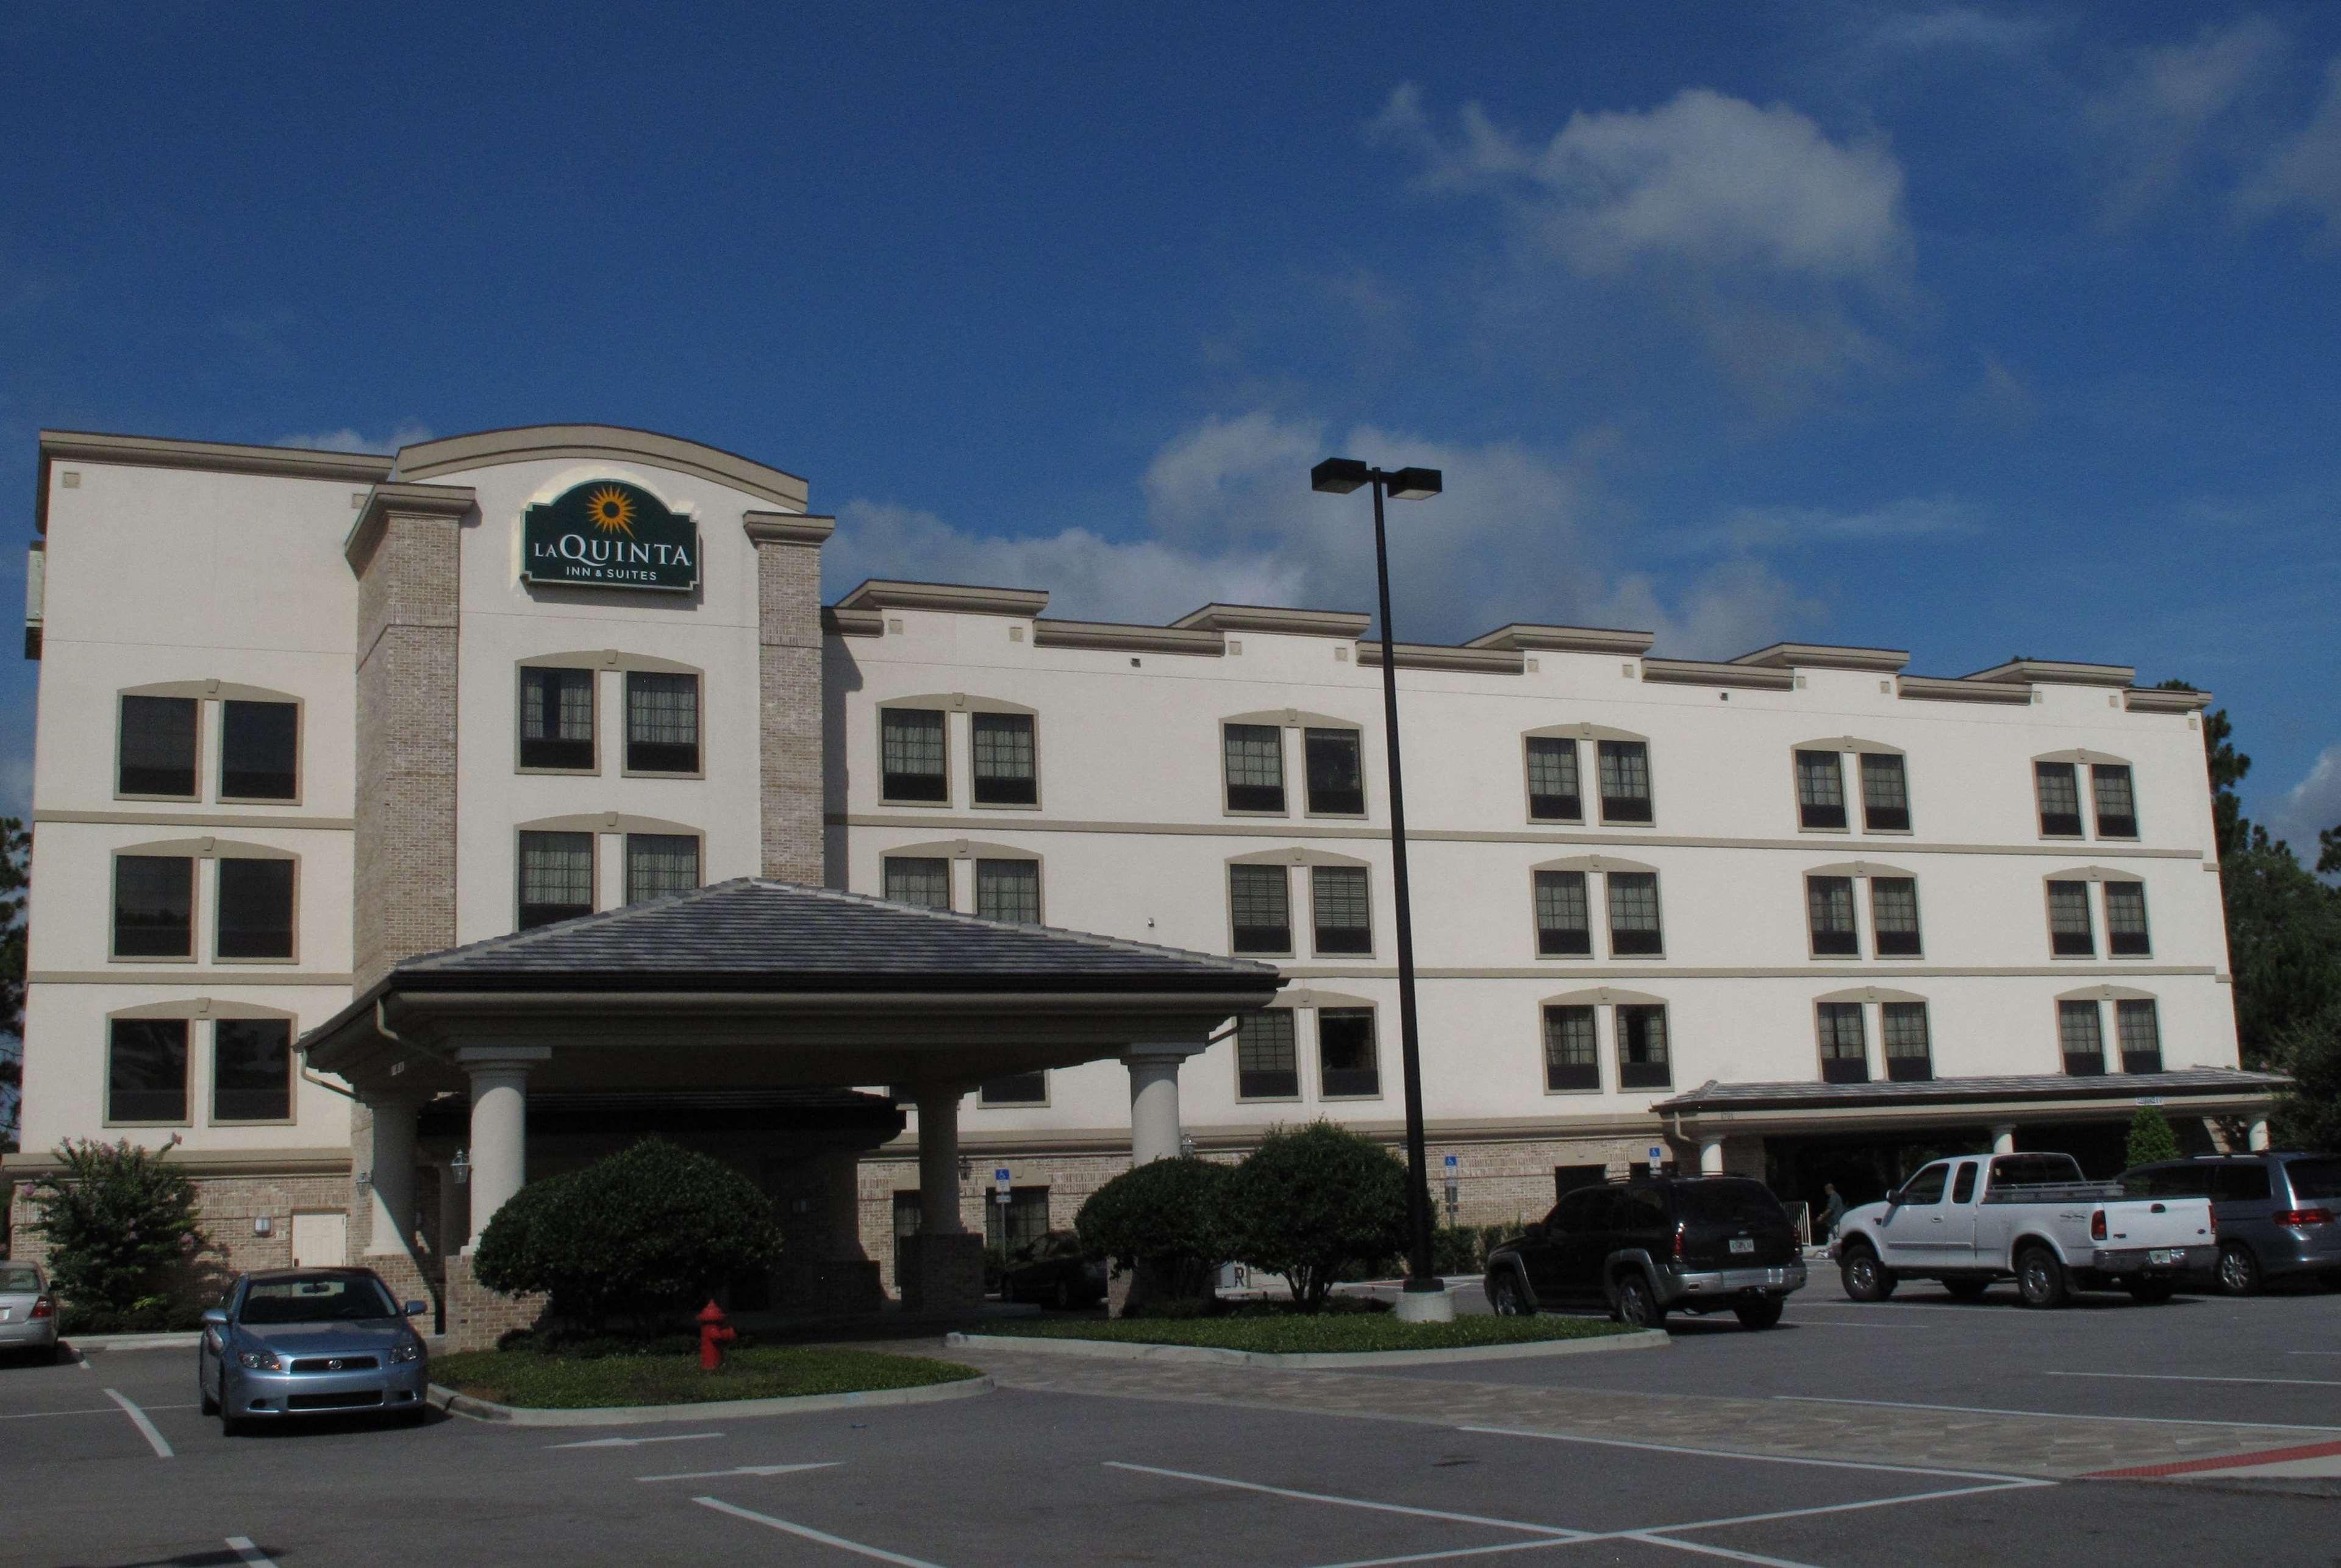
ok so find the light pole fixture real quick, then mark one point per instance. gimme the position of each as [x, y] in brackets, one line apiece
[1425, 1298]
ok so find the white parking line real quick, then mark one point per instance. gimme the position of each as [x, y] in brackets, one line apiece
[145, 1427]
[252, 1554]
[2179, 1377]
[1753, 1458]
[1555, 1530]
[93, 1410]
[742, 1470]
[810, 1534]
[636, 1442]
[2051, 1415]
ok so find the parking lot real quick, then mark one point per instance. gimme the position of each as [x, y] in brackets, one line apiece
[109, 1463]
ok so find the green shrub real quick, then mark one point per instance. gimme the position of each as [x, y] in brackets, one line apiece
[2150, 1137]
[1313, 1200]
[645, 1234]
[1166, 1220]
[119, 1223]
[1455, 1249]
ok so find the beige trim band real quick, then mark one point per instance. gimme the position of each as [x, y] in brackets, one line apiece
[187, 976]
[262, 1162]
[1808, 972]
[195, 819]
[894, 593]
[1434, 656]
[1935, 688]
[787, 527]
[1705, 672]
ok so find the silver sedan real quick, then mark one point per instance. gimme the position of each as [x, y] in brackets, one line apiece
[310, 1342]
[28, 1312]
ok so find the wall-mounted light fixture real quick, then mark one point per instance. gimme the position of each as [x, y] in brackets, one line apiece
[263, 1225]
[461, 1165]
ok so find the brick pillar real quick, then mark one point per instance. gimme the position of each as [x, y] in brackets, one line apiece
[788, 637]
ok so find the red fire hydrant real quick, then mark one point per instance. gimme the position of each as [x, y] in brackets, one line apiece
[714, 1333]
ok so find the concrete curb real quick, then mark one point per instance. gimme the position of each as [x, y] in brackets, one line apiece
[1122, 1349]
[455, 1403]
[88, 1342]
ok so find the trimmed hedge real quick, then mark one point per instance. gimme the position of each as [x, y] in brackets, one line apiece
[1313, 1201]
[1166, 1219]
[556, 1381]
[1301, 1333]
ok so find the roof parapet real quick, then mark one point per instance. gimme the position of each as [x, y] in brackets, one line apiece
[2165, 700]
[852, 622]
[891, 593]
[2058, 672]
[1706, 672]
[1119, 636]
[203, 456]
[388, 499]
[1967, 688]
[787, 527]
[538, 443]
[1438, 656]
[1828, 655]
[1529, 637]
[1275, 619]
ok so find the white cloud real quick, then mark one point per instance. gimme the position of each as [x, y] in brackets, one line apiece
[2309, 807]
[2305, 173]
[1952, 27]
[1750, 528]
[2158, 119]
[407, 432]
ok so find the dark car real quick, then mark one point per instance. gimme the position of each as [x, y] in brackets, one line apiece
[1053, 1272]
[1643, 1249]
[2279, 1214]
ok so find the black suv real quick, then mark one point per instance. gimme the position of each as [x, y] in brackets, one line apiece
[1652, 1245]
[2276, 1212]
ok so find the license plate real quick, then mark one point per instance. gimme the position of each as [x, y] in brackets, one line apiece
[2163, 1254]
[1743, 1244]
[1776, 1276]
[5, 1311]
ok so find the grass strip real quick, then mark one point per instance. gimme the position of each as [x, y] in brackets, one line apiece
[1300, 1334]
[534, 1382]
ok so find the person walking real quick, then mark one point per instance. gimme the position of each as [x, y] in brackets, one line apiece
[1831, 1212]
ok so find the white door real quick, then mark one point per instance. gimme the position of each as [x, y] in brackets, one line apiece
[321, 1239]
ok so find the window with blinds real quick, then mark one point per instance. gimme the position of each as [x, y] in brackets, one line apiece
[1634, 914]
[2070, 935]
[1625, 781]
[1006, 772]
[1347, 1065]
[661, 722]
[1268, 1063]
[252, 1071]
[146, 1070]
[1571, 1059]
[2060, 799]
[156, 753]
[1909, 1047]
[658, 864]
[1845, 1044]
[2139, 1026]
[153, 906]
[1008, 891]
[1884, 793]
[919, 879]
[1343, 919]
[1337, 780]
[1564, 925]
[1554, 793]
[1259, 909]
[1828, 913]
[255, 910]
[2081, 1034]
[260, 750]
[2116, 801]
[1253, 756]
[1894, 917]
[2126, 932]
[910, 756]
[1643, 1051]
[556, 719]
[1015, 1089]
[1820, 789]
[556, 877]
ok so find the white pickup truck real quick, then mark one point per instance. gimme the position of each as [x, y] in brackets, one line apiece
[1970, 1221]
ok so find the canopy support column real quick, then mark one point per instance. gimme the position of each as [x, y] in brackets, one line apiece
[499, 1125]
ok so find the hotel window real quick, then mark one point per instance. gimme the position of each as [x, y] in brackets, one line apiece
[1554, 793]
[1259, 907]
[1625, 781]
[1828, 911]
[1005, 773]
[1564, 926]
[1017, 1223]
[658, 864]
[158, 754]
[1008, 891]
[1337, 780]
[1642, 1055]
[1634, 914]
[1254, 755]
[2125, 933]
[2140, 1033]
[556, 877]
[2080, 1033]
[1347, 1064]
[2069, 932]
[146, 1070]
[1015, 1089]
[1571, 1060]
[1910, 1049]
[255, 910]
[2060, 799]
[1268, 1063]
[1820, 789]
[1894, 917]
[1884, 793]
[661, 723]
[911, 755]
[1845, 1044]
[260, 750]
[2116, 801]
[1336, 896]
[153, 906]
[922, 880]
[252, 1071]
[556, 719]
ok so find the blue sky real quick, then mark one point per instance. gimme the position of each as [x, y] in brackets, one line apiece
[1979, 330]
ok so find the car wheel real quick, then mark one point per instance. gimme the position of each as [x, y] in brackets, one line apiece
[1866, 1278]
[1637, 1304]
[2040, 1278]
[2239, 1270]
[1966, 1289]
[1757, 1314]
[1505, 1298]
[1064, 1296]
[2151, 1292]
[210, 1406]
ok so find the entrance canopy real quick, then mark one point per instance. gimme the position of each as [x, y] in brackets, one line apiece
[765, 984]
[1714, 1109]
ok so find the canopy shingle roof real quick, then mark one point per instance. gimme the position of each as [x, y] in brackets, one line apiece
[1713, 1096]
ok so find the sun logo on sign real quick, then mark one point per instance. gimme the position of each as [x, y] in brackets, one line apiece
[611, 510]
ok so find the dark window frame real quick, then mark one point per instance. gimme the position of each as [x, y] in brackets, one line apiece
[988, 865]
[241, 868]
[2121, 943]
[1839, 1065]
[886, 864]
[1879, 818]
[1254, 805]
[633, 893]
[1555, 941]
[185, 1046]
[2081, 1064]
[1625, 809]
[194, 769]
[1562, 1075]
[1632, 941]
[151, 953]
[547, 753]
[1348, 941]
[1003, 791]
[1236, 930]
[291, 773]
[1830, 941]
[219, 1117]
[1814, 814]
[663, 758]
[1332, 738]
[2117, 825]
[1562, 807]
[521, 905]
[1001, 1092]
[1654, 1072]
[1897, 943]
[2070, 943]
[1344, 1088]
[933, 789]
[2141, 1058]
[2060, 823]
[1268, 1082]
[1907, 1067]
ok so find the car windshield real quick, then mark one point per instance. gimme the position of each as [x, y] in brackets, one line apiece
[2034, 1170]
[2315, 1178]
[321, 1298]
[21, 1277]
[1741, 1203]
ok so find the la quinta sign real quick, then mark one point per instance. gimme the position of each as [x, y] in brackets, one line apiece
[605, 533]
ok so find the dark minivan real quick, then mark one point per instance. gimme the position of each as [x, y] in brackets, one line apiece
[1643, 1249]
[2279, 1214]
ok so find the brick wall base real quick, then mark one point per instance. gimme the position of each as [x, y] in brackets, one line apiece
[477, 1316]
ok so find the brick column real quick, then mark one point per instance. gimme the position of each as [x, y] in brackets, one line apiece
[788, 686]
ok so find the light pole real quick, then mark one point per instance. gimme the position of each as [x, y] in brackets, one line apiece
[1425, 1298]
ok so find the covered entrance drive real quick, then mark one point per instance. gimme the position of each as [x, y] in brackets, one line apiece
[700, 1009]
